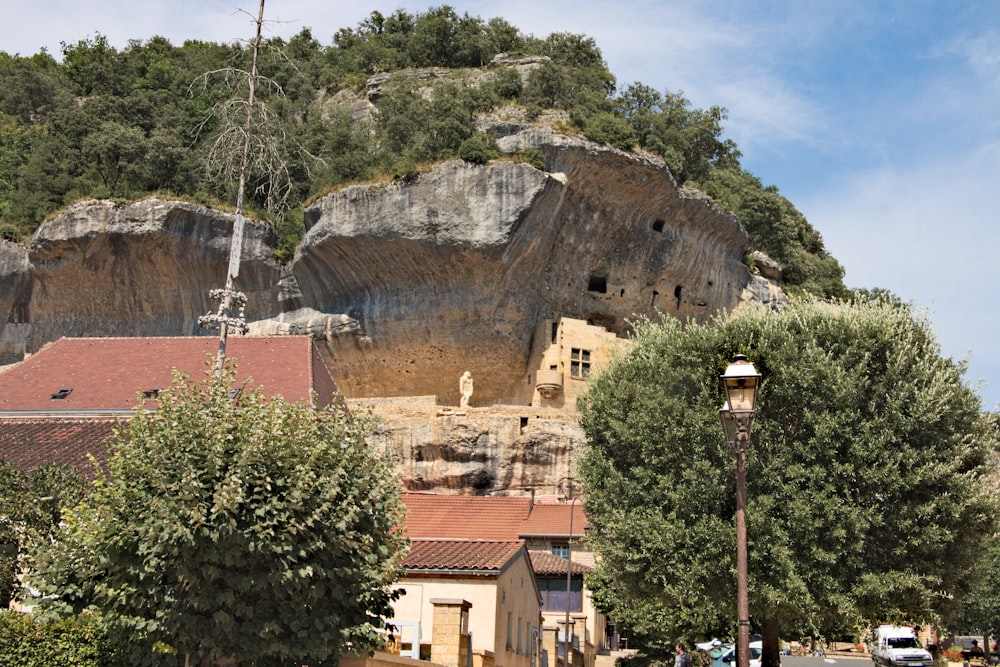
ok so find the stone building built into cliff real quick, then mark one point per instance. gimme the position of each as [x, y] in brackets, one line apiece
[570, 352]
[519, 445]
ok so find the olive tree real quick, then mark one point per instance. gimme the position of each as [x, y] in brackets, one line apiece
[864, 496]
[260, 531]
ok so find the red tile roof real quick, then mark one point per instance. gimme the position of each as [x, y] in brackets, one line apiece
[29, 443]
[545, 563]
[432, 515]
[106, 374]
[553, 520]
[464, 517]
[483, 557]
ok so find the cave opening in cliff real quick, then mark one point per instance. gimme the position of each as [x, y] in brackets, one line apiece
[658, 226]
[598, 284]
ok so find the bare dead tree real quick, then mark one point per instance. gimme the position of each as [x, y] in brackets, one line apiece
[250, 141]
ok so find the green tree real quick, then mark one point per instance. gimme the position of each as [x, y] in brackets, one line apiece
[610, 129]
[864, 493]
[262, 531]
[479, 149]
[981, 607]
[93, 67]
[30, 503]
[30, 87]
[115, 151]
[689, 140]
[780, 230]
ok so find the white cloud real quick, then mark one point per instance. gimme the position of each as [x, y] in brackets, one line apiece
[928, 233]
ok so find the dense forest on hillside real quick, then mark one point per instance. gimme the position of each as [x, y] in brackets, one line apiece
[121, 124]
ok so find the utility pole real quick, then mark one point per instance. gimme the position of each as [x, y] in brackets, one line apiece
[567, 644]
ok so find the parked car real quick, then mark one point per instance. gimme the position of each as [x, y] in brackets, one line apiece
[728, 658]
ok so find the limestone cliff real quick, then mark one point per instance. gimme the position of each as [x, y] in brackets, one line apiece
[407, 285]
[502, 449]
[452, 272]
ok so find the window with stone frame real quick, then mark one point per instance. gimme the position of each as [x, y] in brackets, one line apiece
[579, 363]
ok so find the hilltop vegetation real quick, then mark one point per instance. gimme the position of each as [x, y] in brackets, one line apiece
[110, 123]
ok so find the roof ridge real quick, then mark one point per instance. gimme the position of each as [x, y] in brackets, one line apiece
[465, 539]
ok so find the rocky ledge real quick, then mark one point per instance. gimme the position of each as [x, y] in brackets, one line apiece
[407, 285]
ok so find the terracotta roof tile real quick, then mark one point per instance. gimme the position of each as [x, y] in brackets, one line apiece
[553, 520]
[487, 557]
[545, 563]
[29, 443]
[108, 373]
[432, 515]
[464, 517]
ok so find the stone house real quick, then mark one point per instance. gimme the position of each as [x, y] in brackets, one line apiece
[565, 353]
[554, 547]
[486, 587]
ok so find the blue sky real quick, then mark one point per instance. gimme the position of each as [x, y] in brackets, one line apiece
[879, 120]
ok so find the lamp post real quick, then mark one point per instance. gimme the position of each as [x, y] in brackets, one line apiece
[740, 382]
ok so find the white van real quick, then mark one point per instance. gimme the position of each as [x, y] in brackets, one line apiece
[898, 646]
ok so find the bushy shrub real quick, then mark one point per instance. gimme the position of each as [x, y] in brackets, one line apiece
[480, 148]
[610, 129]
[405, 170]
[9, 233]
[508, 85]
[78, 641]
[533, 156]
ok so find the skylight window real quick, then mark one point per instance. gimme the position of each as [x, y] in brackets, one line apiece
[151, 394]
[62, 393]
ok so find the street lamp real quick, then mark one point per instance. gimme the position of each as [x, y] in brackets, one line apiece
[740, 382]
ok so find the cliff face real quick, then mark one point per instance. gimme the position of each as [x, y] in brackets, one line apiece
[144, 269]
[501, 449]
[453, 272]
[407, 285]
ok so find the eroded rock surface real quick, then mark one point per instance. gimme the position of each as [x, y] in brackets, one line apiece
[143, 269]
[408, 285]
[452, 272]
[496, 450]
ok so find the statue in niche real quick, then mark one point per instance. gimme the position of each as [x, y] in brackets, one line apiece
[465, 388]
